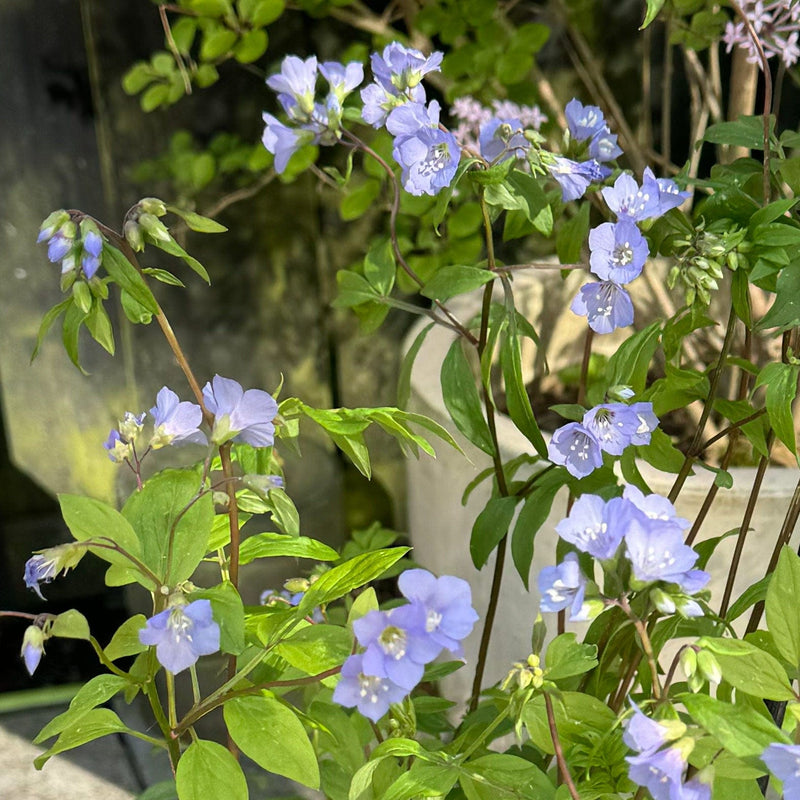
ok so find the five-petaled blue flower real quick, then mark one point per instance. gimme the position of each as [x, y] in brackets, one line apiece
[574, 177]
[613, 425]
[595, 526]
[182, 634]
[617, 251]
[175, 422]
[562, 586]
[449, 615]
[296, 85]
[605, 304]
[244, 416]
[575, 448]
[501, 139]
[371, 694]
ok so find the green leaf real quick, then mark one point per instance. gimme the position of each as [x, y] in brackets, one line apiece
[47, 321]
[785, 584]
[206, 770]
[251, 46]
[653, 7]
[71, 625]
[771, 212]
[379, 266]
[781, 382]
[356, 202]
[228, 613]
[90, 519]
[661, 453]
[490, 527]
[578, 716]
[353, 574]
[566, 657]
[127, 278]
[134, 311]
[422, 780]
[752, 595]
[125, 641]
[197, 222]
[749, 669]
[460, 396]
[269, 545]
[217, 42]
[99, 326]
[519, 404]
[501, 776]
[404, 377]
[160, 505]
[163, 276]
[89, 726]
[353, 289]
[571, 236]
[745, 132]
[93, 693]
[317, 648]
[785, 310]
[271, 734]
[530, 520]
[742, 731]
[267, 11]
[173, 248]
[629, 364]
[73, 319]
[283, 510]
[155, 96]
[448, 282]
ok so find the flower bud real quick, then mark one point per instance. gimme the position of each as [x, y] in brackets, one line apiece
[32, 648]
[695, 682]
[709, 666]
[133, 235]
[51, 224]
[296, 585]
[154, 228]
[662, 601]
[688, 661]
[152, 205]
[130, 425]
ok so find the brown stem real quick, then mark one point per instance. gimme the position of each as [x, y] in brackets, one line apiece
[559, 751]
[187, 83]
[734, 426]
[647, 645]
[587, 357]
[233, 511]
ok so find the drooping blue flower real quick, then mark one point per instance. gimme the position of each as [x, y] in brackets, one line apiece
[574, 177]
[613, 425]
[606, 305]
[449, 615]
[175, 422]
[783, 761]
[398, 644]
[296, 85]
[32, 647]
[603, 146]
[654, 506]
[595, 526]
[342, 79]
[402, 68]
[501, 139]
[695, 789]
[643, 734]
[39, 569]
[648, 422]
[92, 243]
[282, 141]
[575, 448]
[618, 251]
[117, 448]
[182, 634]
[669, 194]
[656, 551]
[244, 416]
[371, 694]
[628, 200]
[661, 772]
[563, 586]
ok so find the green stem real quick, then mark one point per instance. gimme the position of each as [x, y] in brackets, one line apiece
[105, 660]
[562, 762]
[173, 746]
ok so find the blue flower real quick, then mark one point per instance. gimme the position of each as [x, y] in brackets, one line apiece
[654, 506]
[669, 195]
[613, 425]
[783, 761]
[175, 422]
[583, 121]
[618, 251]
[606, 305]
[501, 139]
[61, 243]
[371, 694]
[398, 644]
[182, 634]
[282, 141]
[595, 526]
[575, 448]
[46, 566]
[656, 551]
[643, 734]
[117, 448]
[244, 416]
[32, 647]
[648, 422]
[401, 68]
[660, 772]
[628, 200]
[428, 156]
[603, 146]
[449, 615]
[562, 586]
[295, 85]
[342, 79]
[92, 243]
[574, 177]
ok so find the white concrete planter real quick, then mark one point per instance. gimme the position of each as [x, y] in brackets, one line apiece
[440, 526]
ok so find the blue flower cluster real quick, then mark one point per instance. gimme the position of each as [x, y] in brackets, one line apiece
[239, 415]
[619, 251]
[607, 428]
[181, 634]
[590, 140]
[658, 768]
[312, 121]
[400, 642]
[78, 248]
[652, 534]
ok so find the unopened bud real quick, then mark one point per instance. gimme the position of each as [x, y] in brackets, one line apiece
[695, 682]
[152, 205]
[154, 228]
[133, 235]
[688, 662]
[709, 666]
[662, 601]
[32, 648]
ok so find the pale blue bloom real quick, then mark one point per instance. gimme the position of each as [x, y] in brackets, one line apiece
[40, 569]
[562, 586]
[401, 68]
[501, 139]
[783, 761]
[282, 141]
[575, 448]
[32, 648]
[595, 526]
[583, 121]
[371, 694]
[654, 506]
[628, 200]
[175, 422]
[295, 85]
[606, 305]
[244, 416]
[643, 734]
[648, 422]
[618, 251]
[182, 634]
[342, 79]
[661, 772]
[574, 177]
[613, 425]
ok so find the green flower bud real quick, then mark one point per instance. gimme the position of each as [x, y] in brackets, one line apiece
[688, 662]
[709, 666]
[152, 205]
[695, 682]
[133, 234]
[154, 228]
